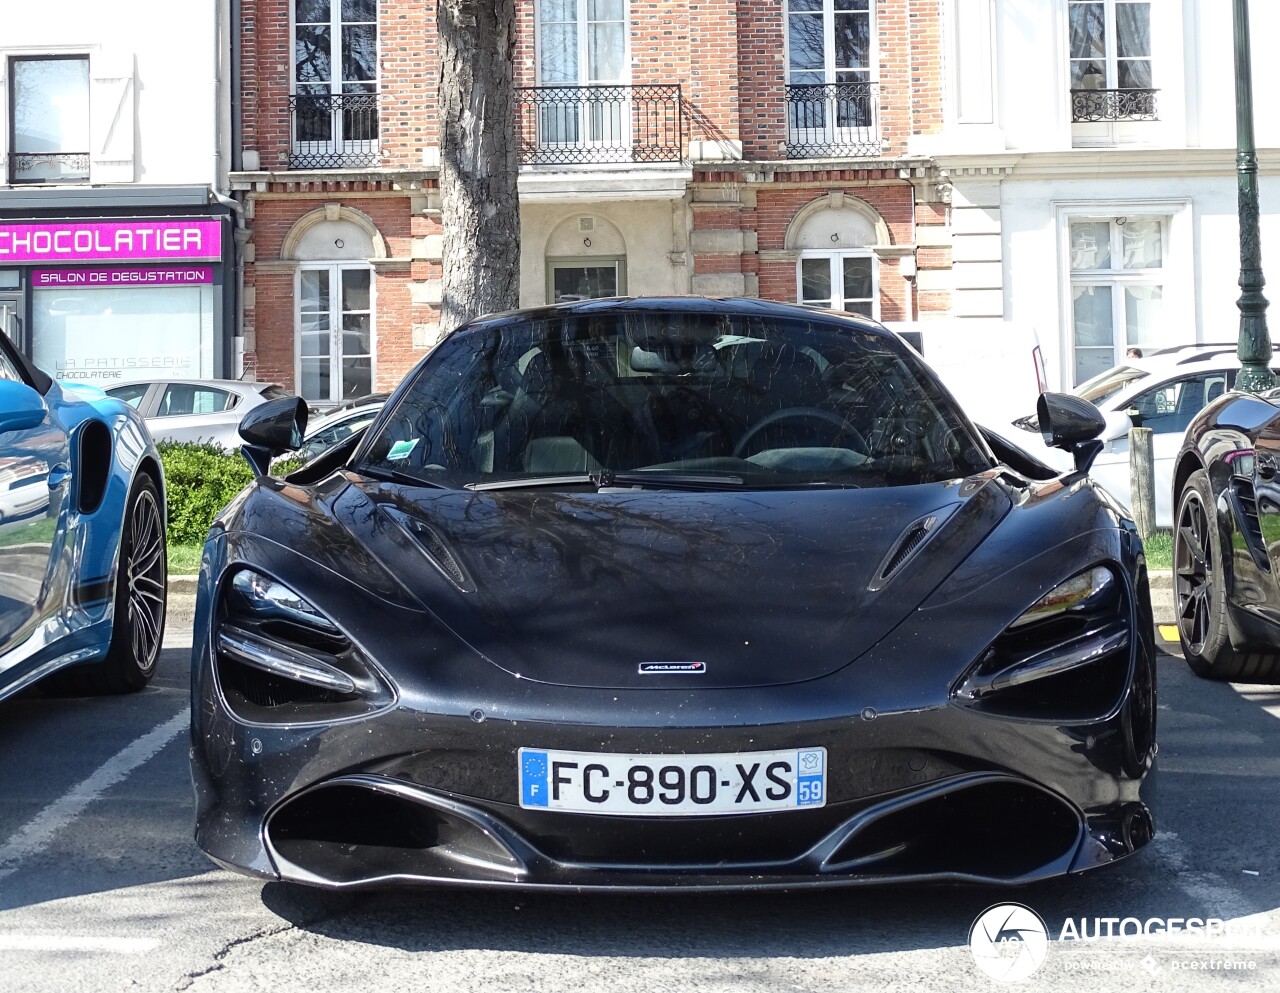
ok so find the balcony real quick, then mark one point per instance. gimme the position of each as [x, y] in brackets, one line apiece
[833, 120]
[1098, 106]
[48, 167]
[334, 131]
[586, 125]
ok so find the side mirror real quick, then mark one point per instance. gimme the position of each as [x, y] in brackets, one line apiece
[1072, 424]
[21, 407]
[271, 429]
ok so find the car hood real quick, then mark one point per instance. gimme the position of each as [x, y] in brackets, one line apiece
[739, 589]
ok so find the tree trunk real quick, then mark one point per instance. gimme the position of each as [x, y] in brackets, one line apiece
[478, 161]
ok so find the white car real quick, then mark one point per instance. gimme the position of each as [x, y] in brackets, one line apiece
[195, 409]
[1162, 391]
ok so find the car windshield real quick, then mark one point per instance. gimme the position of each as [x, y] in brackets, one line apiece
[694, 400]
[1105, 385]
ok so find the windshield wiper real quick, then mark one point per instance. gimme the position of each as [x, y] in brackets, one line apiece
[398, 476]
[606, 478]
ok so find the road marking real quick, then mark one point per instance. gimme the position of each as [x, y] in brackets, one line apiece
[36, 834]
[72, 943]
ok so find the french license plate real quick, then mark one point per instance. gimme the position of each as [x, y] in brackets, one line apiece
[672, 785]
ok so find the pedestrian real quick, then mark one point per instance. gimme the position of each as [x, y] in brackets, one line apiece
[1133, 353]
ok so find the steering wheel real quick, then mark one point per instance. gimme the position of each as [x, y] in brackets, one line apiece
[798, 414]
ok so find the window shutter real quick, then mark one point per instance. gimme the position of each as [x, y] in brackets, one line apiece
[111, 119]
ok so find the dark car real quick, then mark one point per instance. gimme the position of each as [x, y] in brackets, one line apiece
[671, 592]
[1225, 552]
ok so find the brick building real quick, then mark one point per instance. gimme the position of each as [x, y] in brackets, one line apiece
[723, 147]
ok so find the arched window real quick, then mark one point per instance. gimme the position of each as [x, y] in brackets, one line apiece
[836, 267]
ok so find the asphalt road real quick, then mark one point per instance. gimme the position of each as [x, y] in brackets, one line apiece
[102, 889]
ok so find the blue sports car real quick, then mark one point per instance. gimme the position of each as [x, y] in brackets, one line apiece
[82, 536]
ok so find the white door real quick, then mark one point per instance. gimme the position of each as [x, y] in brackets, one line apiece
[335, 349]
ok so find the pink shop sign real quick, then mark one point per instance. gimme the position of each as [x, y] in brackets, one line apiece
[122, 276]
[142, 240]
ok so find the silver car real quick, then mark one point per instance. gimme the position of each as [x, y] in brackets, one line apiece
[207, 410]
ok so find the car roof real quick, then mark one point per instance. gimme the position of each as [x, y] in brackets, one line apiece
[733, 306]
[231, 385]
[334, 416]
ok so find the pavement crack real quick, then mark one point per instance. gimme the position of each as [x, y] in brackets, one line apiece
[218, 964]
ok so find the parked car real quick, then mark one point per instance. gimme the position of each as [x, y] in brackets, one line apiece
[1162, 391]
[195, 409]
[338, 424]
[1225, 550]
[82, 523]
[667, 593]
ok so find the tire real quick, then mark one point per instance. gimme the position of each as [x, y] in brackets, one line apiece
[1200, 594]
[141, 596]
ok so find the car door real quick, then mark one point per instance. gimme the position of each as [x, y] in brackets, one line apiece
[35, 473]
[1166, 408]
[195, 412]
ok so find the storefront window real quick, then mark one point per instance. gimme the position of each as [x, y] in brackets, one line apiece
[119, 334]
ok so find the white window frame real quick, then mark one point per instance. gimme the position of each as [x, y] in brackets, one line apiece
[1111, 40]
[9, 114]
[831, 133]
[335, 326]
[338, 144]
[587, 131]
[836, 260]
[1177, 274]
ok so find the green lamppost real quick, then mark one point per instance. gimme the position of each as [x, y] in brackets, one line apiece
[1254, 346]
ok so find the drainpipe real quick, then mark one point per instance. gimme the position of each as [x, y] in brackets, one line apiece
[232, 11]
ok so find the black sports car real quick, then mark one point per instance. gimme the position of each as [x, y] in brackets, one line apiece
[646, 593]
[1226, 539]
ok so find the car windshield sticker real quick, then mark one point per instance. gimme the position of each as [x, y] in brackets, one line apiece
[401, 449]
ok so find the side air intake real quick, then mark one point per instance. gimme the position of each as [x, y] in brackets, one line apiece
[904, 549]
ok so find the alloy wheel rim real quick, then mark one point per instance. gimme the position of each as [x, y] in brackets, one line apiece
[1192, 573]
[145, 578]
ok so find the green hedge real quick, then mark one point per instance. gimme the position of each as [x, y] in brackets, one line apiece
[199, 481]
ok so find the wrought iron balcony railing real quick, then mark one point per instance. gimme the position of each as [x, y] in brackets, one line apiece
[571, 125]
[334, 131]
[1091, 106]
[48, 167]
[833, 119]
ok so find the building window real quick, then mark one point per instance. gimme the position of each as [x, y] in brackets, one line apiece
[585, 279]
[582, 52]
[334, 358]
[49, 119]
[831, 92]
[839, 281]
[335, 84]
[1111, 77]
[1118, 277]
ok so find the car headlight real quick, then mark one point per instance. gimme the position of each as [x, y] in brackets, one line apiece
[1091, 585]
[1065, 658]
[279, 659]
[265, 597]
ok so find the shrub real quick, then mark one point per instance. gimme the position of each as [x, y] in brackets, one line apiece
[200, 479]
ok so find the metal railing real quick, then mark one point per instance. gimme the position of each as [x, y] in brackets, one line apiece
[833, 119]
[334, 131]
[48, 167]
[1091, 106]
[572, 125]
